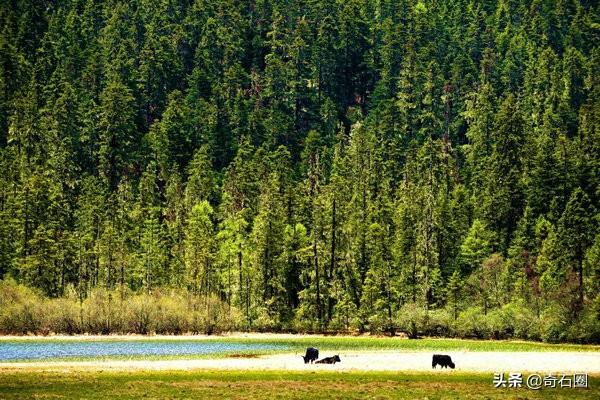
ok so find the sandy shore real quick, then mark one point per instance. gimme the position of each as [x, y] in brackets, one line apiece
[353, 361]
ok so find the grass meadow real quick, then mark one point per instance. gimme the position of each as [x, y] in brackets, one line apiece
[72, 384]
[49, 382]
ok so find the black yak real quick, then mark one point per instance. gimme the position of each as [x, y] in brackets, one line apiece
[443, 360]
[329, 360]
[311, 355]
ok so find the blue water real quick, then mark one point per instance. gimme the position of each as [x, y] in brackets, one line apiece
[35, 350]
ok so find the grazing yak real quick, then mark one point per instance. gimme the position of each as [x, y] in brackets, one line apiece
[329, 360]
[312, 354]
[443, 360]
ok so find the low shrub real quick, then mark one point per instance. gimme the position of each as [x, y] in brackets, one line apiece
[24, 311]
[472, 323]
[21, 309]
[552, 325]
[412, 319]
[439, 323]
[171, 315]
[140, 314]
[64, 315]
[101, 312]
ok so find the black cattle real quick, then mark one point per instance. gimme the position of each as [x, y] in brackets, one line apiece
[329, 360]
[443, 360]
[311, 355]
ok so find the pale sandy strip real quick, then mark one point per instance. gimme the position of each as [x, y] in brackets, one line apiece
[353, 361]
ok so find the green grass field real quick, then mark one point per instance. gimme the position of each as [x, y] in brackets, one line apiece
[20, 384]
[334, 343]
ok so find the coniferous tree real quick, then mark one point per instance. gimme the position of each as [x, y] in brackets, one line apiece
[358, 165]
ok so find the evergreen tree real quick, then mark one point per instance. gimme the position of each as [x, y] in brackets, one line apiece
[358, 165]
[575, 233]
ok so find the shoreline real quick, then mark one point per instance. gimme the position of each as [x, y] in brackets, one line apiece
[272, 335]
[267, 336]
[228, 335]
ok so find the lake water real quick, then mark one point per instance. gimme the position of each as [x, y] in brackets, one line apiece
[34, 350]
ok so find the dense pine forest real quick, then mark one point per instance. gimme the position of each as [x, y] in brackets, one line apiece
[428, 167]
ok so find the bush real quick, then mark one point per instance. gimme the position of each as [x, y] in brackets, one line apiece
[263, 321]
[26, 316]
[379, 323]
[521, 321]
[140, 314]
[496, 324]
[472, 323]
[305, 321]
[552, 325]
[171, 315]
[102, 313]
[21, 309]
[412, 319]
[211, 315]
[65, 316]
[24, 311]
[587, 329]
[439, 323]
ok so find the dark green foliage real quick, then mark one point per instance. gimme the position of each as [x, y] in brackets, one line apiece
[431, 167]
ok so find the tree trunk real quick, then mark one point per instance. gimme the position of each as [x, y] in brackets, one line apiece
[318, 284]
[580, 289]
[241, 274]
[332, 260]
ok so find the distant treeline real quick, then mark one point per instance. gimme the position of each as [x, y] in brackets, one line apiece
[426, 166]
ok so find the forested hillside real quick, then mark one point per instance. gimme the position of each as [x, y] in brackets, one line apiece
[373, 165]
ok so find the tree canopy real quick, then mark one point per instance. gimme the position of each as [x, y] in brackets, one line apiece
[316, 165]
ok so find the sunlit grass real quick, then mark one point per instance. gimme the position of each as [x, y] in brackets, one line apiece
[268, 385]
[384, 343]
